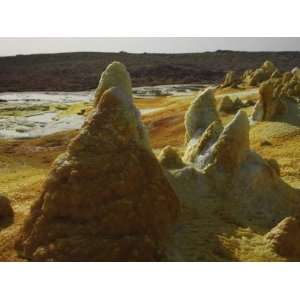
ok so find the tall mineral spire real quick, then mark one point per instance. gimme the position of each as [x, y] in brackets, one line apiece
[115, 75]
[201, 113]
[106, 198]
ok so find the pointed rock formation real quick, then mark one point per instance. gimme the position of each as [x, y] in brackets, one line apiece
[232, 145]
[259, 75]
[251, 185]
[268, 67]
[231, 80]
[106, 198]
[247, 74]
[220, 164]
[270, 103]
[6, 210]
[115, 75]
[201, 113]
[285, 238]
[226, 105]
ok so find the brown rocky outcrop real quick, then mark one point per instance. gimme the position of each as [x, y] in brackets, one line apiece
[6, 210]
[285, 238]
[106, 198]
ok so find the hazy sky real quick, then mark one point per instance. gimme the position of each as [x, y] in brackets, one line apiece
[13, 46]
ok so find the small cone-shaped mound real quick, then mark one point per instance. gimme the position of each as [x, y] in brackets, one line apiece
[106, 198]
[115, 75]
[226, 105]
[170, 159]
[233, 144]
[285, 238]
[201, 113]
[6, 210]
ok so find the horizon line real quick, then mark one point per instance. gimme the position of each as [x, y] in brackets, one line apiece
[153, 53]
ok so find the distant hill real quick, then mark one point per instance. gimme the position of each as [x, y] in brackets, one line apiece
[81, 70]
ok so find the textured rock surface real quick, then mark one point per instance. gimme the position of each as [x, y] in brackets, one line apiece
[257, 77]
[285, 238]
[231, 79]
[197, 151]
[6, 210]
[115, 75]
[232, 145]
[287, 76]
[226, 105]
[268, 67]
[263, 73]
[286, 85]
[201, 113]
[290, 86]
[170, 159]
[106, 198]
[247, 74]
[251, 185]
[221, 165]
[276, 74]
[270, 103]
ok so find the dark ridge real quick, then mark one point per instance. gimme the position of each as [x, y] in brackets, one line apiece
[81, 70]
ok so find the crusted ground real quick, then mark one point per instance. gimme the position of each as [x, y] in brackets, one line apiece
[206, 236]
